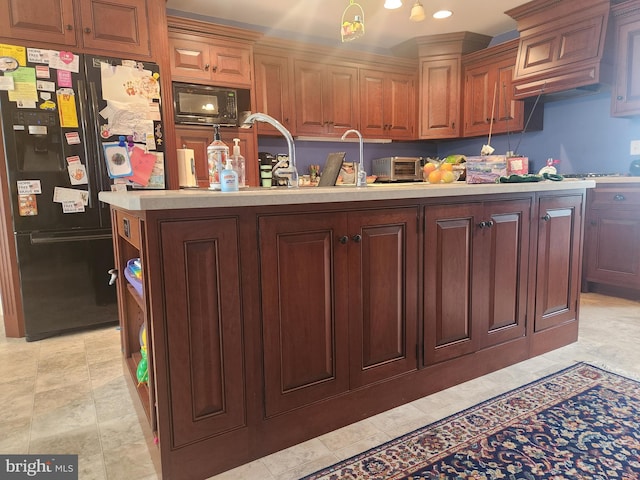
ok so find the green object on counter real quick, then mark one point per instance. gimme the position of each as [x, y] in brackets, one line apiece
[530, 177]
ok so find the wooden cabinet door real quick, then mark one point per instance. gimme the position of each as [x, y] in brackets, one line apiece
[612, 247]
[625, 96]
[509, 113]
[383, 294]
[439, 99]
[202, 302]
[190, 59]
[273, 95]
[401, 106]
[116, 26]
[47, 21]
[197, 139]
[310, 105]
[373, 118]
[326, 98]
[305, 301]
[500, 287]
[478, 100]
[558, 252]
[230, 65]
[341, 98]
[450, 328]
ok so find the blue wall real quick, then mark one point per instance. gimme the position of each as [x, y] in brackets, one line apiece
[579, 132]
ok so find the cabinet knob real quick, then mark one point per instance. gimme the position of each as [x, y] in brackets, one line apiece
[483, 224]
[594, 223]
[357, 238]
[489, 223]
[87, 30]
[215, 68]
[547, 217]
[206, 67]
[344, 239]
[69, 26]
[619, 97]
[619, 198]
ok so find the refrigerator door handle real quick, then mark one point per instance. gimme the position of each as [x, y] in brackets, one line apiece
[42, 239]
[93, 97]
[88, 138]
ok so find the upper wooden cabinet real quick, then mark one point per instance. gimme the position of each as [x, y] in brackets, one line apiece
[387, 104]
[326, 98]
[209, 60]
[116, 25]
[272, 92]
[439, 93]
[488, 91]
[625, 96]
[562, 43]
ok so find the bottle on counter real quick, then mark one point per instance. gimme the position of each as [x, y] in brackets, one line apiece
[217, 154]
[238, 162]
[229, 178]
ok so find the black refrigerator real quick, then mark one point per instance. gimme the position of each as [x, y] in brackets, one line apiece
[73, 125]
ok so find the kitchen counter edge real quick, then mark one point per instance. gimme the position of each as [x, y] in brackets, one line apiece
[203, 198]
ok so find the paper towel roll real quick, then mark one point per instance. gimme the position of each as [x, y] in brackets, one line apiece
[187, 168]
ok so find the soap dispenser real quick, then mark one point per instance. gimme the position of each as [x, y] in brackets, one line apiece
[217, 155]
[238, 162]
[229, 178]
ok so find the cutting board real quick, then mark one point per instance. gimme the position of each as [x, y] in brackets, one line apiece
[331, 169]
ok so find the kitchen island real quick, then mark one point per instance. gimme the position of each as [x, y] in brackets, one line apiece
[274, 316]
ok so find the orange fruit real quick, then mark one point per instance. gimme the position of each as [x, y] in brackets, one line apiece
[435, 176]
[428, 168]
[446, 167]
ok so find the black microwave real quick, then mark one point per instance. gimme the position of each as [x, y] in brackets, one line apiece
[205, 105]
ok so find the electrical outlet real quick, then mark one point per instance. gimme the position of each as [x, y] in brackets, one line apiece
[635, 147]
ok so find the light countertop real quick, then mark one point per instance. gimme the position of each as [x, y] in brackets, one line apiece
[255, 196]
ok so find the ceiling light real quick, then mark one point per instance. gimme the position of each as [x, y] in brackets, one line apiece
[417, 12]
[392, 4]
[442, 14]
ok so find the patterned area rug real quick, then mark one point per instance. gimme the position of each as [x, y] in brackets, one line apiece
[580, 423]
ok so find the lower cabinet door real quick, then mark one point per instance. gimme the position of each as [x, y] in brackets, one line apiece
[558, 269]
[303, 269]
[383, 294]
[203, 321]
[449, 331]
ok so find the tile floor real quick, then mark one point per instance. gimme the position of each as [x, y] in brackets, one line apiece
[68, 395]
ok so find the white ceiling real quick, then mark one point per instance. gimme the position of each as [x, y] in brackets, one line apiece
[319, 20]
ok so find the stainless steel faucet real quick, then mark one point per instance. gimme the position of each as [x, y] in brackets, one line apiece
[289, 172]
[361, 179]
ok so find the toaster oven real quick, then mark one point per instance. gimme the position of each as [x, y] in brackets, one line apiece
[397, 169]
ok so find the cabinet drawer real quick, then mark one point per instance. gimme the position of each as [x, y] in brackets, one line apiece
[616, 196]
[129, 228]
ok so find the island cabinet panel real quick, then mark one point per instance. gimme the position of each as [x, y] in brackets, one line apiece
[304, 307]
[201, 270]
[339, 302]
[114, 25]
[383, 303]
[326, 98]
[558, 261]
[475, 276]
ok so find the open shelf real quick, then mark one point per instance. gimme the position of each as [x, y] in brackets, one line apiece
[142, 388]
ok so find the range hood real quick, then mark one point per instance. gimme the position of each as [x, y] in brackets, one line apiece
[563, 50]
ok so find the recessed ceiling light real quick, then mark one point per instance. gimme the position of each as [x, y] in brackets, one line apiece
[442, 14]
[392, 4]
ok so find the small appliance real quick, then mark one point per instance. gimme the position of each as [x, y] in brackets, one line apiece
[397, 169]
[205, 105]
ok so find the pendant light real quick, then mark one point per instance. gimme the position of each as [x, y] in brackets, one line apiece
[417, 12]
[392, 4]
